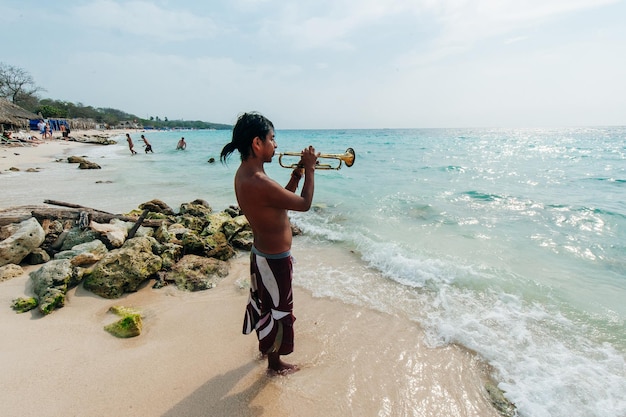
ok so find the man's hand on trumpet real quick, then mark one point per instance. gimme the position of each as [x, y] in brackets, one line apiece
[306, 166]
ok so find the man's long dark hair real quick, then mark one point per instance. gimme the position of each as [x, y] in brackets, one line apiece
[248, 126]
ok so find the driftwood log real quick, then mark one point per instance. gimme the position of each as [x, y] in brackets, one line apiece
[71, 212]
[16, 214]
[72, 205]
[138, 223]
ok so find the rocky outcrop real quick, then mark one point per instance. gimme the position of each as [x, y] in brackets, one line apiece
[124, 269]
[190, 249]
[27, 237]
[197, 273]
[50, 284]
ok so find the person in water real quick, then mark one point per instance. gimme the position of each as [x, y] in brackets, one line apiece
[147, 144]
[182, 145]
[131, 146]
[265, 203]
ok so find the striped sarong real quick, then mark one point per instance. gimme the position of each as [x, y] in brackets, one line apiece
[269, 310]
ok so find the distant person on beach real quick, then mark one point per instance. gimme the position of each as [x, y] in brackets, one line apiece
[264, 202]
[42, 128]
[147, 144]
[130, 144]
[64, 132]
[182, 145]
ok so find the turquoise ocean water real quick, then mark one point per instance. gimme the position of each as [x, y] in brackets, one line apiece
[510, 242]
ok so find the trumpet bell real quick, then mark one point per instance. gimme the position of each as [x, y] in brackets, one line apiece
[349, 157]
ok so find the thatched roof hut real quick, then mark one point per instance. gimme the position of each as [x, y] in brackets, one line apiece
[14, 117]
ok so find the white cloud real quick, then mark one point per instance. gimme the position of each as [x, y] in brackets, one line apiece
[142, 18]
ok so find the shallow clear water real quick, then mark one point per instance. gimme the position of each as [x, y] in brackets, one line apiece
[510, 242]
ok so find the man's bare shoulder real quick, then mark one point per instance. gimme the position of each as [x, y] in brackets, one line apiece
[257, 180]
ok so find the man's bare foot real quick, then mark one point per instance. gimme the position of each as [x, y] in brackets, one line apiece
[277, 367]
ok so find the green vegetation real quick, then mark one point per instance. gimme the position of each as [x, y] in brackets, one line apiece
[114, 117]
[18, 86]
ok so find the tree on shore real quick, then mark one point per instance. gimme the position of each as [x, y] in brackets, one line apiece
[18, 86]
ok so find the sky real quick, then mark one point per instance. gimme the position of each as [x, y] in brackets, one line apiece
[330, 64]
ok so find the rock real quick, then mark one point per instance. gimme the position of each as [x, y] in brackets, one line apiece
[124, 269]
[243, 240]
[76, 236]
[88, 165]
[235, 225]
[170, 253]
[8, 230]
[82, 162]
[23, 304]
[195, 223]
[218, 247]
[37, 256]
[27, 237]
[157, 206]
[115, 233]
[197, 273]
[233, 211]
[216, 223]
[197, 208]
[129, 325]
[85, 253]
[50, 284]
[10, 271]
[76, 159]
[505, 407]
[177, 231]
[162, 235]
[295, 230]
[193, 244]
[53, 229]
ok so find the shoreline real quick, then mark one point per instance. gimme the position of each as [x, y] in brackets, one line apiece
[193, 360]
[28, 155]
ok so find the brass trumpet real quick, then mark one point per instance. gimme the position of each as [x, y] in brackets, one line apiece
[347, 157]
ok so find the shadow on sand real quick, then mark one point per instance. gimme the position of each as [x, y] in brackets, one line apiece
[213, 399]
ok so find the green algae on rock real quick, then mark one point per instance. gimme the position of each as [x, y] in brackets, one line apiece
[24, 304]
[129, 325]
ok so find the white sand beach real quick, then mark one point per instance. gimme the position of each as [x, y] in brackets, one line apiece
[192, 359]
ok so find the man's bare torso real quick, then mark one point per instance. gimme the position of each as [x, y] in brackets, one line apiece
[269, 221]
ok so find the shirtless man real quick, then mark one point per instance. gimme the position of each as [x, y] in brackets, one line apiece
[147, 144]
[265, 203]
[131, 146]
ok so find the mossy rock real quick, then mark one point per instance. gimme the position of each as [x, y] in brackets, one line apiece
[22, 304]
[129, 325]
[54, 299]
[192, 243]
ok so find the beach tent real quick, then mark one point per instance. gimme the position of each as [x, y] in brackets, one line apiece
[13, 117]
